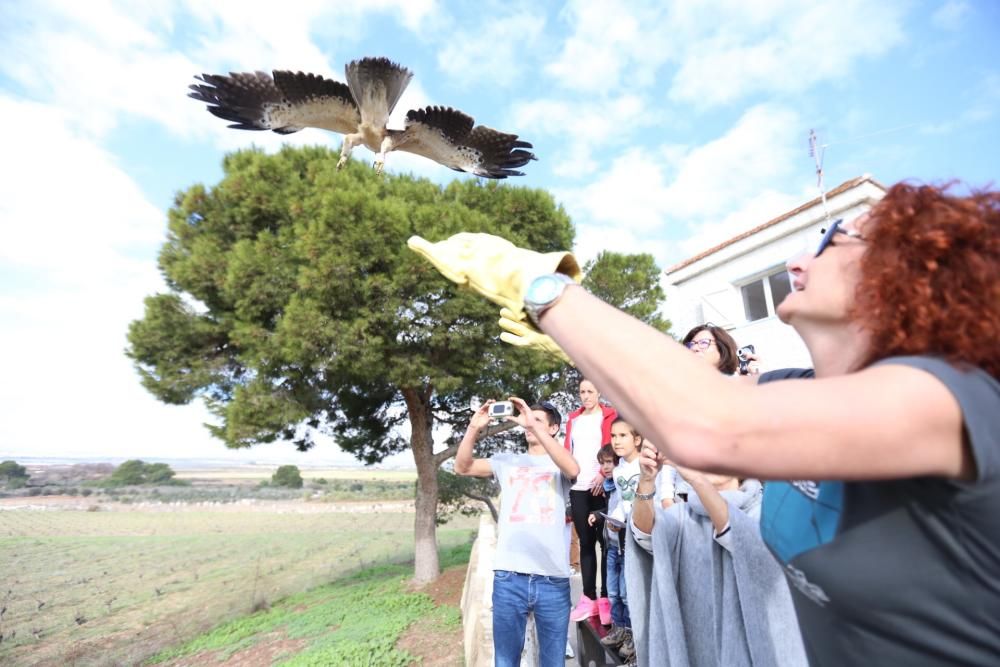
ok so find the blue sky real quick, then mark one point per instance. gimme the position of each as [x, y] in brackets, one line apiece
[662, 127]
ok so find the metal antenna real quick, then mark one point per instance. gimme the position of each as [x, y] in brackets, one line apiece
[816, 153]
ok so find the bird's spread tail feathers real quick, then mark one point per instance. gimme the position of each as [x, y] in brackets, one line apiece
[376, 84]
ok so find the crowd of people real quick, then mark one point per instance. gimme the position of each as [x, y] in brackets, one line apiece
[843, 514]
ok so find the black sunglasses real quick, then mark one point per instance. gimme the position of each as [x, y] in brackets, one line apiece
[832, 231]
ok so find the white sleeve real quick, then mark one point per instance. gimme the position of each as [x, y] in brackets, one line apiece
[644, 540]
[665, 486]
[724, 537]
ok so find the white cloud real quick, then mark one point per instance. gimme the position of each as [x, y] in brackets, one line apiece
[491, 54]
[588, 125]
[105, 61]
[725, 50]
[704, 192]
[100, 69]
[757, 210]
[985, 99]
[78, 241]
[762, 148]
[951, 15]
[79, 234]
[73, 225]
[51, 182]
[613, 45]
[781, 49]
[981, 104]
[629, 194]
[592, 239]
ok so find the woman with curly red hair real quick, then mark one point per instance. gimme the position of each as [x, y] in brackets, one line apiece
[890, 537]
[893, 552]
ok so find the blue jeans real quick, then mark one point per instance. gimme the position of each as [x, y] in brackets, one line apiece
[616, 585]
[516, 594]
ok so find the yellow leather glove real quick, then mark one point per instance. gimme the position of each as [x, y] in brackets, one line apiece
[493, 266]
[520, 333]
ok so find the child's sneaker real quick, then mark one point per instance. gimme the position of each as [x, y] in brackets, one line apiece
[585, 608]
[614, 637]
[627, 650]
[604, 609]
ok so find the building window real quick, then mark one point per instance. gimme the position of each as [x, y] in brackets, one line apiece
[780, 286]
[761, 296]
[754, 301]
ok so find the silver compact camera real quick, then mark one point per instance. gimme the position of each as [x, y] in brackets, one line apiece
[743, 354]
[502, 409]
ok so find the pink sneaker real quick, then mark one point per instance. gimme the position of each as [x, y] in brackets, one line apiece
[585, 608]
[604, 609]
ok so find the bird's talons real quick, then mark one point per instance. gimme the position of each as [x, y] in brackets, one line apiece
[378, 166]
[341, 162]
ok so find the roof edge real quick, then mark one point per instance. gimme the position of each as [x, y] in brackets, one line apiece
[840, 189]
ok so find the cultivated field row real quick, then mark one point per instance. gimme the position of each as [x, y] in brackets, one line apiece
[113, 587]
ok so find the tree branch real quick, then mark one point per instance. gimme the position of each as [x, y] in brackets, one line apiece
[489, 503]
[445, 454]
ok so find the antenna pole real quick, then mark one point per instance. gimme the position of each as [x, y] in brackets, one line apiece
[816, 152]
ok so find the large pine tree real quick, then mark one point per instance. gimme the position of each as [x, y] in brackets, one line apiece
[294, 307]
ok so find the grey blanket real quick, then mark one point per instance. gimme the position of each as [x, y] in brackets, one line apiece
[695, 603]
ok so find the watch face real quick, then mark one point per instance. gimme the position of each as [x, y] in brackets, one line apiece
[543, 289]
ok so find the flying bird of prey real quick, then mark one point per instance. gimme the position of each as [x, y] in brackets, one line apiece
[291, 101]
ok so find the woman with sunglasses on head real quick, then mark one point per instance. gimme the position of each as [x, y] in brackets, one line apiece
[890, 537]
[713, 345]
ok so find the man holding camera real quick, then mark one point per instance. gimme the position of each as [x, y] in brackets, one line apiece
[531, 571]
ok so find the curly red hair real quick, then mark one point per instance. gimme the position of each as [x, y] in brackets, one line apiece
[930, 278]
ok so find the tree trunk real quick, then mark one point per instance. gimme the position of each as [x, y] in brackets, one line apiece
[425, 551]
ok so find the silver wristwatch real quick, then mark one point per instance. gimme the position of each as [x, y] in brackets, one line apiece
[543, 292]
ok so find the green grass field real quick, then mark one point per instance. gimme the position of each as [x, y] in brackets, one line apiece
[355, 621]
[111, 588]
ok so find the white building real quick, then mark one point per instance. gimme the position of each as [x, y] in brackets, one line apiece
[738, 283]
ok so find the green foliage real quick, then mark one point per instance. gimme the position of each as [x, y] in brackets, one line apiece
[13, 475]
[458, 494]
[10, 469]
[357, 621]
[365, 489]
[296, 308]
[158, 473]
[287, 476]
[136, 472]
[628, 282]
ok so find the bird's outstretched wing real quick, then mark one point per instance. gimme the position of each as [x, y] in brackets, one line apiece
[284, 103]
[451, 138]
